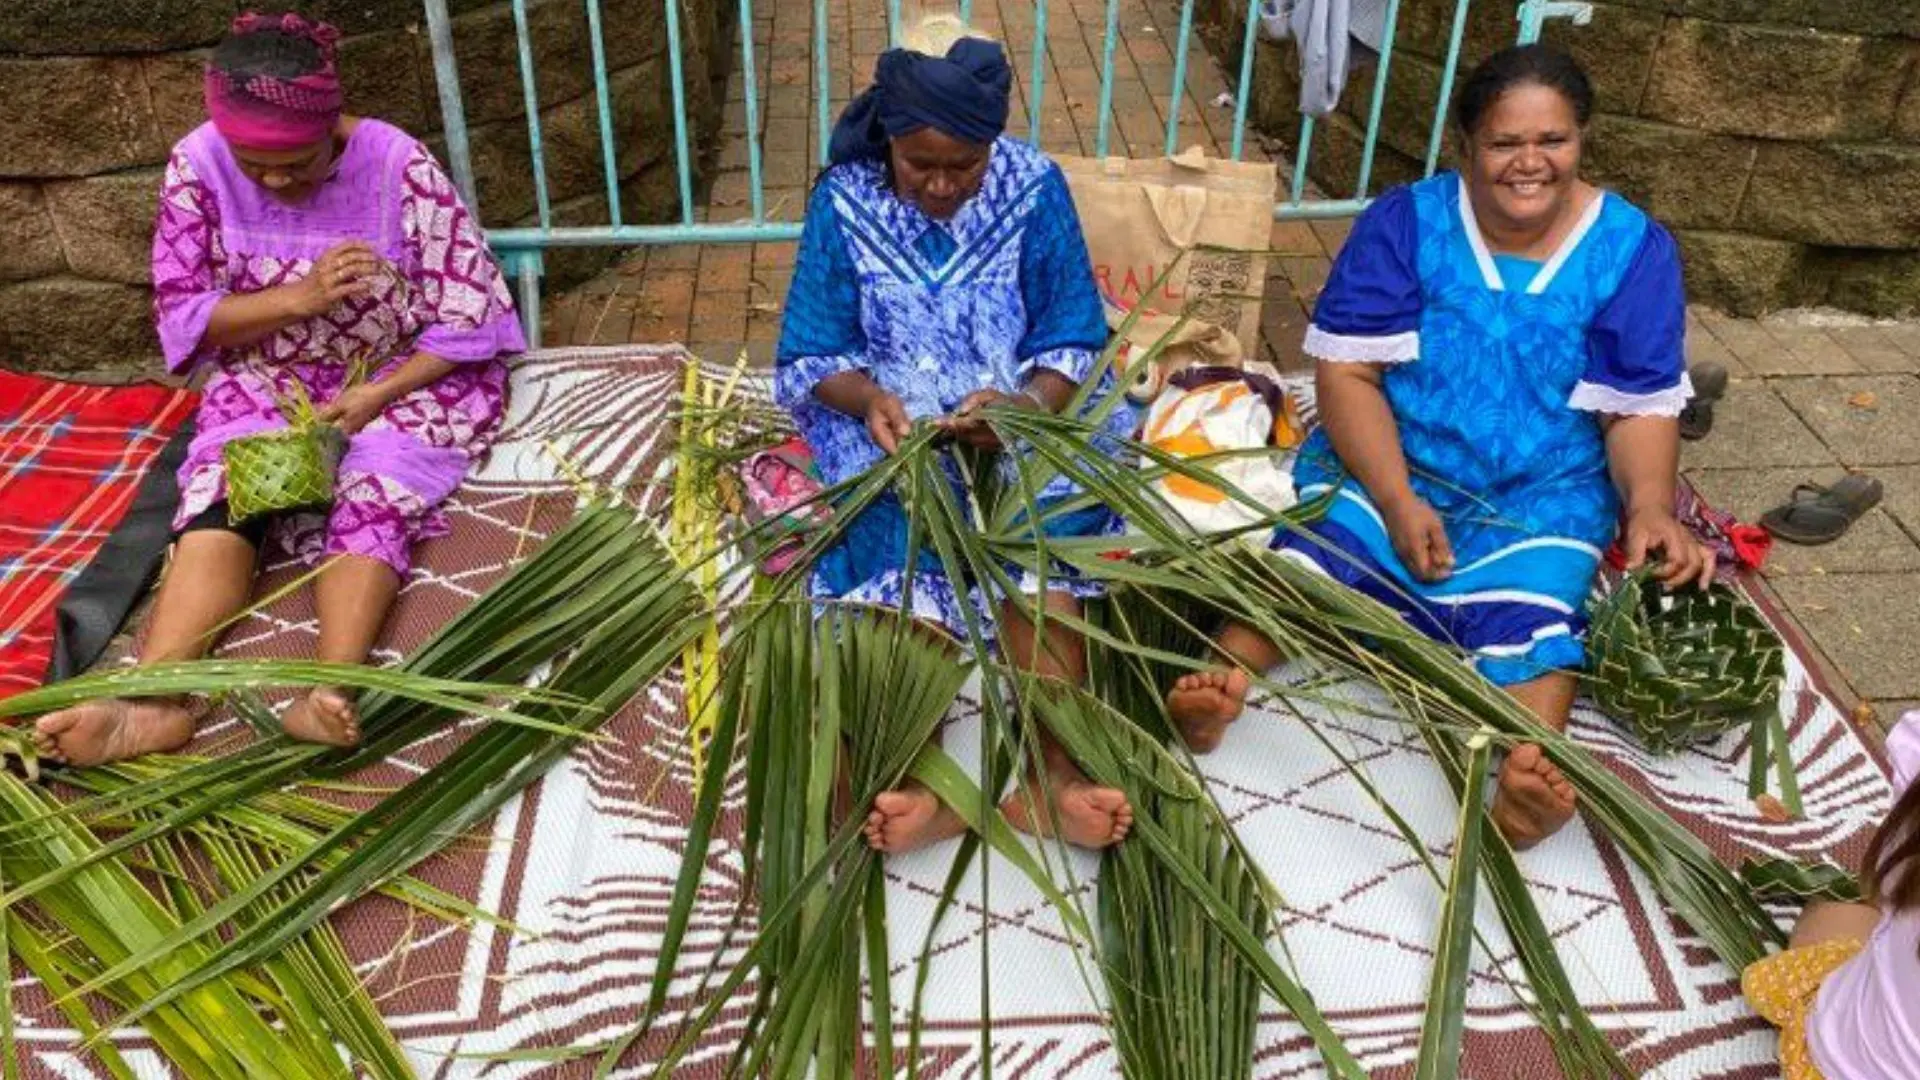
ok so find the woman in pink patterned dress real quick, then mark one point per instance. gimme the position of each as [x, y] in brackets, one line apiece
[292, 242]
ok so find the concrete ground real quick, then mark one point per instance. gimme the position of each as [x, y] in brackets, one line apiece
[1811, 396]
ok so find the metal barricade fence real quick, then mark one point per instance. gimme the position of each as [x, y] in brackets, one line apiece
[520, 247]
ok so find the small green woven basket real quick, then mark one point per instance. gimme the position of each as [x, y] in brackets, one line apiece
[1685, 667]
[275, 472]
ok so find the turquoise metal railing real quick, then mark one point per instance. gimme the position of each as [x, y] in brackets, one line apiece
[521, 246]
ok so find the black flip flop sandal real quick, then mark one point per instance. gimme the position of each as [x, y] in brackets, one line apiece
[1709, 385]
[1819, 515]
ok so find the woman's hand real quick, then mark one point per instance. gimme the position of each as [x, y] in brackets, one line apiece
[339, 274]
[887, 420]
[1684, 558]
[1419, 538]
[967, 425]
[355, 408]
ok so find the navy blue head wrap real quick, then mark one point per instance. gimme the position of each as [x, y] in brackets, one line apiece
[963, 94]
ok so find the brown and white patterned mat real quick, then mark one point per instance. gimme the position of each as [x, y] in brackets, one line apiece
[584, 862]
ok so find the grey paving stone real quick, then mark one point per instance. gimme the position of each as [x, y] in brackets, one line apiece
[1864, 419]
[1803, 350]
[1877, 349]
[1875, 543]
[1703, 347]
[1758, 352]
[1902, 500]
[1753, 428]
[1905, 336]
[1867, 624]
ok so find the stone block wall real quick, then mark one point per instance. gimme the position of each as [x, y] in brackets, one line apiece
[97, 91]
[1779, 139]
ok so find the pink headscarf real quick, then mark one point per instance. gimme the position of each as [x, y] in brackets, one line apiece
[267, 112]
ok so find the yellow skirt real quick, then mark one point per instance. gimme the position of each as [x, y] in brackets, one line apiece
[1782, 987]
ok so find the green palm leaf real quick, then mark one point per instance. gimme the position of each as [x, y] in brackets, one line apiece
[1444, 1028]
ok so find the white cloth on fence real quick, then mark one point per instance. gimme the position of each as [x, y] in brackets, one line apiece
[1324, 31]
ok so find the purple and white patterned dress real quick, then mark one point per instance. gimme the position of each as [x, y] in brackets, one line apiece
[219, 232]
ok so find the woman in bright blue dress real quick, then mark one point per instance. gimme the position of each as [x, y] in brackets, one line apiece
[1500, 372]
[942, 269]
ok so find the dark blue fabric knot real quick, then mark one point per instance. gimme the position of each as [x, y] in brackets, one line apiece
[963, 94]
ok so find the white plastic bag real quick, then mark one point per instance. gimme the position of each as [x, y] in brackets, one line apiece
[1208, 410]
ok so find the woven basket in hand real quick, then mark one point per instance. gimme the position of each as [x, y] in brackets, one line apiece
[1683, 667]
[274, 472]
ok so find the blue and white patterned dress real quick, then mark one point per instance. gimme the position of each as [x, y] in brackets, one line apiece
[933, 311]
[1498, 371]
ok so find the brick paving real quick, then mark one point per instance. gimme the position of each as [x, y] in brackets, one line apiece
[1810, 397]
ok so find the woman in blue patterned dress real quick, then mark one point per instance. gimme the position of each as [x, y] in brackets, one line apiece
[942, 269]
[1500, 369]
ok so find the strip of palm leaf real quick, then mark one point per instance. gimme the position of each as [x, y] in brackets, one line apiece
[1311, 615]
[213, 1030]
[645, 616]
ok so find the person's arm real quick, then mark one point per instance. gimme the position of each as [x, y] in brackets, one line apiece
[1643, 457]
[1636, 385]
[196, 315]
[1366, 321]
[1360, 425]
[244, 318]
[356, 406]
[473, 322]
[472, 325]
[854, 393]
[821, 357]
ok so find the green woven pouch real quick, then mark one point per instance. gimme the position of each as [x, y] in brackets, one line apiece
[1685, 667]
[274, 472]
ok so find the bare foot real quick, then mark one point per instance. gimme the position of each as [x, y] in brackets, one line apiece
[1534, 800]
[1079, 812]
[1204, 703]
[910, 818]
[114, 729]
[326, 715]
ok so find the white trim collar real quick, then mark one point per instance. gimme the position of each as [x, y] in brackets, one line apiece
[1483, 256]
[1568, 245]
[1489, 273]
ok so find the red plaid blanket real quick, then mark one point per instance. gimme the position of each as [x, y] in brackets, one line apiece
[71, 459]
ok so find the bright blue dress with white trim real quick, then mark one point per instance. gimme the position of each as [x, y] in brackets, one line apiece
[1499, 371]
[934, 311]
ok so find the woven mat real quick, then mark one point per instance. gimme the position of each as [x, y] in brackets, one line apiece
[586, 858]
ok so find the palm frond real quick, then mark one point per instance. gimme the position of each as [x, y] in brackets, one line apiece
[1444, 1027]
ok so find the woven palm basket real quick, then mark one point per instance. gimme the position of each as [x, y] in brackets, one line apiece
[1685, 667]
[274, 472]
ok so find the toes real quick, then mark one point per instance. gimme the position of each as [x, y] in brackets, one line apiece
[1235, 682]
[57, 723]
[1109, 801]
[335, 704]
[1525, 758]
